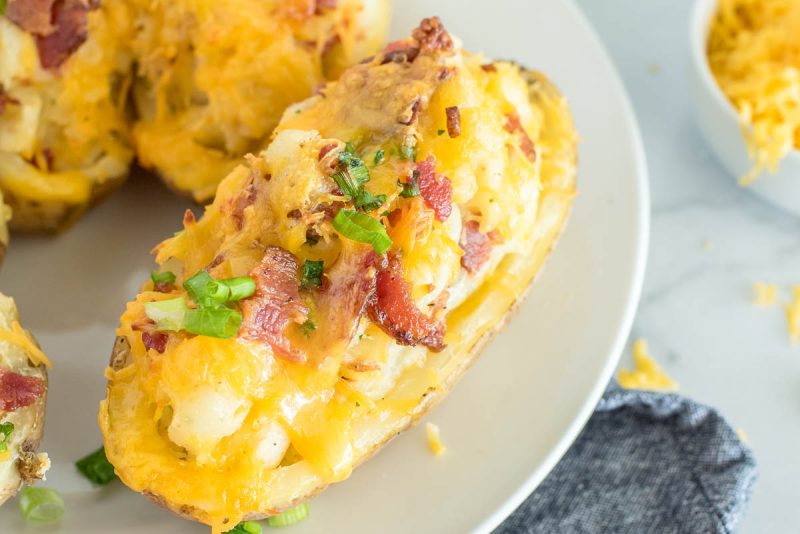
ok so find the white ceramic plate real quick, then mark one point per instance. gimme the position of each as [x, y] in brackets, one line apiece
[517, 410]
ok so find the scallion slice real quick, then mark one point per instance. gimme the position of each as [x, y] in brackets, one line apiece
[362, 228]
[312, 274]
[411, 189]
[247, 527]
[167, 277]
[168, 314]
[6, 429]
[96, 467]
[380, 156]
[42, 505]
[240, 287]
[289, 517]
[219, 322]
[206, 291]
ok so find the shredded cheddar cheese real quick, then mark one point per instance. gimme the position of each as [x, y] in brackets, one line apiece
[754, 53]
[793, 315]
[647, 374]
[434, 439]
[18, 336]
[764, 294]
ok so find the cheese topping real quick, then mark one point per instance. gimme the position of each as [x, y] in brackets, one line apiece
[647, 374]
[18, 336]
[754, 53]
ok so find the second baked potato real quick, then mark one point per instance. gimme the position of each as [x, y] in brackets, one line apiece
[340, 283]
[213, 78]
[64, 75]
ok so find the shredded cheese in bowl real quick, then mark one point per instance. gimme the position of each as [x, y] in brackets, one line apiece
[754, 53]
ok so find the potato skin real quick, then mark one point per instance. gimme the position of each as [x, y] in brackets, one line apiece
[555, 205]
[25, 466]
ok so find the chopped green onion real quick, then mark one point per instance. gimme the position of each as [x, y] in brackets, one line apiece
[96, 467]
[289, 517]
[349, 147]
[348, 181]
[411, 189]
[42, 505]
[247, 527]
[205, 291]
[362, 228]
[308, 327]
[167, 277]
[168, 314]
[312, 273]
[408, 152]
[440, 132]
[380, 156]
[2, 7]
[219, 322]
[351, 180]
[6, 429]
[369, 202]
[240, 287]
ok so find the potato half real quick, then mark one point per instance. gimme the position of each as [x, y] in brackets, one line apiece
[23, 394]
[213, 78]
[64, 78]
[432, 184]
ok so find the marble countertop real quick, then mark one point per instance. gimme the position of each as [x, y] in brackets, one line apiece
[711, 240]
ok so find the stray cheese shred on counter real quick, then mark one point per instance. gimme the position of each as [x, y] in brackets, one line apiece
[647, 374]
[793, 315]
[764, 294]
[434, 439]
[754, 53]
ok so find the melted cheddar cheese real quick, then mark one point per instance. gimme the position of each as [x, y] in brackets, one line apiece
[218, 429]
[754, 53]
[214, 77]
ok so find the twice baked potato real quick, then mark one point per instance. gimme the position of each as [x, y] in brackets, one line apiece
[213, 78]
[23, 393]
[64, 78]
[341, 282]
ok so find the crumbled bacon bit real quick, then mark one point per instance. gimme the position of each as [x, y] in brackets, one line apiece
[477, 246]
[324, 151]
[155, 340]
[361, 366]
[513, 125]
[412, 114]
[276, 302]
[33, 16]
[18, 391]
[188, 218]
[295, 214]
[394, 311]
[163, 287]
[5, 100]
[453, 121]
[70, 18]
[322, 5]
[489, 67]
[400, 55]
[432, 36]
[242, 201]
[437, 193]
[218, 259]
[446, 73]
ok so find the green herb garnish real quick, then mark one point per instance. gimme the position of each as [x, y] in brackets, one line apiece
[6, 429]
[312, 274]
[362, 228]
[351, 177]
[308, 327]
[440, 132]
[96, 467]
[167, 277]
[247, 527]
[411, 189]
[207, 292]
[380, 157]
[289, 517]
[42, 505]
[408, 152]
[220, 322]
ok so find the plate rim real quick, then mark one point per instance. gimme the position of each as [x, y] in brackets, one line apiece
[634, 290]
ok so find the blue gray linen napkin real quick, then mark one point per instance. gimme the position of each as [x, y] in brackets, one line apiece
[645, 462]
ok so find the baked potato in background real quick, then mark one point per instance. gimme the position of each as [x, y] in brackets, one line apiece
[23, 394]
[213, 78]
[64, 78]
[5, 216]
[387, 233]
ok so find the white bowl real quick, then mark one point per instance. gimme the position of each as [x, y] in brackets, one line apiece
[719, 123]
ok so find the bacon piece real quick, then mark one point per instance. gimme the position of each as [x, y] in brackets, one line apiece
[437, 194]
[155, 340]
[403, 51]
[70, 21]
[412, 114]
[343, 299]
[476, 246]
[276, 302]
[394, 311]
[432, 36]
[453, 121]
[322, 5]
[325, 150]
[33, 16]
[242, 201]
[513, 125]
[18, 391]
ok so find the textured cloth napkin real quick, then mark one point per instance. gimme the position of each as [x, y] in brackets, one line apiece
[645, 462]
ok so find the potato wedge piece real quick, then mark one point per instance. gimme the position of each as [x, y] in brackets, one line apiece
[64, 79]
[432, 185]
[213, 78]
[23, 394]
